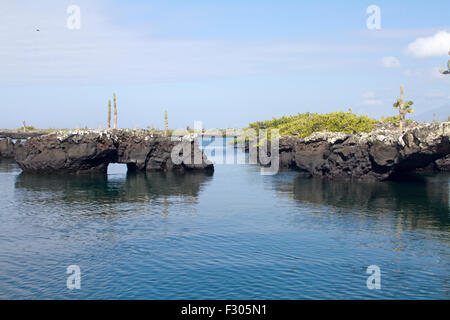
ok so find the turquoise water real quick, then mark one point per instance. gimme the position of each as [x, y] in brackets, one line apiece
[234, 234]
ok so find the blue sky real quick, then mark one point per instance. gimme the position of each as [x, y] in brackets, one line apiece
[226, 63]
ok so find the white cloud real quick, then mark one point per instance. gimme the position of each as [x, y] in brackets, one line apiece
[390, 62]
[437, 45]
[369, 99]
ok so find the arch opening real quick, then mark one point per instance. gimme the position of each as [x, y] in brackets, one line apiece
[117, 169]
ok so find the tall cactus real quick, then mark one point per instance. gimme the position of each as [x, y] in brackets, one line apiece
[443, 71]
[109, 114]
[115, 111]
[166, 124]
[404, 107]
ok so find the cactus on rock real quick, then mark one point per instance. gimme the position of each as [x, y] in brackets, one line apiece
[404, 107]
[443, 71]
[115, 111]
[109, 114]
[166, 124]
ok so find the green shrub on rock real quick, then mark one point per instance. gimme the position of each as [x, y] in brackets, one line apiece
[305, 124]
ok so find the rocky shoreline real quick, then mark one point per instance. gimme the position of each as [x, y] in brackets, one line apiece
[382, 154]
[20, 135]
[442, 164]
[80, 152]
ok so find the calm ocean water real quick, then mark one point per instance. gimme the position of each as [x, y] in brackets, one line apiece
[234, 234]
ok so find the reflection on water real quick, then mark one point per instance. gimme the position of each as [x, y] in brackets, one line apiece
[132, 187]
[8, 165]
[422, 202]
[233, 234]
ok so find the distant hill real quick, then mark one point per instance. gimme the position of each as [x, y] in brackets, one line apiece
[441, 113]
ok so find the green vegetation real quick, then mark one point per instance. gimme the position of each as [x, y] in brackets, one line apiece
[109, 114]
[404, 107]
[26, 128]
[108, 124]
[305, 124]
[443, 71]
[166, 123]
[394, 119]
[115, 111]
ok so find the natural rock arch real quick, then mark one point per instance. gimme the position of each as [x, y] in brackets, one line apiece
[92, 151]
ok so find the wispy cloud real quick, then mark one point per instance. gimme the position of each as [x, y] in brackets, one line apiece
[411, 73]
[370, 99]
[436, 94]
[390, 62]
[398, 34]
[102, 51]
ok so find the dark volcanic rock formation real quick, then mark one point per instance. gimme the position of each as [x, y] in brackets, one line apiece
[6, 148]
[92, 151]
[379, 155]
[443, 164]
[287, 152]
[20, 135]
